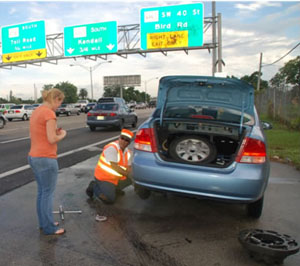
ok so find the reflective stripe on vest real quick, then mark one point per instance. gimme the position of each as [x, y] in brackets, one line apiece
[104, 171]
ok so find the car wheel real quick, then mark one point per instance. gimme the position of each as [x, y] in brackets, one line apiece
[254, 209]
[2, 123]
[192, 149]
[121, 125]
[134, 123]
[9, 119]
[92, 128]
[57, 115]
[78, 113]
[68, 113]
[142, 192]
[25, 117]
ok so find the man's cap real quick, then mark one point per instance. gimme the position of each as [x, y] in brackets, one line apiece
[127, 133]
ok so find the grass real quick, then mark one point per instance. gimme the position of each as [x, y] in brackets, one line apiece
[283, 143]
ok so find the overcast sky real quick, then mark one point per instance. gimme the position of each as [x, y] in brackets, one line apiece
[248, 28]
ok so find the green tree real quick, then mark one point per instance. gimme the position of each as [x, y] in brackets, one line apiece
[69, 90]
[253, 78]
[278, 80]
[129, 94]
[291, 71]
[47, 86]
[112, 91]
[2, 100]
[83, 93]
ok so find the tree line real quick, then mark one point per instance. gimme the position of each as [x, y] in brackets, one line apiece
[289, 74]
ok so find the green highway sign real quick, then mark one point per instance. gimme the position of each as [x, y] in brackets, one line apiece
[89, 39]
[172, 26]
[23, 41]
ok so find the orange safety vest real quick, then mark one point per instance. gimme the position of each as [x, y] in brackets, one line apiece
[104, 171]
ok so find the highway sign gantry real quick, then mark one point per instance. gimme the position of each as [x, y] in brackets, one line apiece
[172, 26]
[90, 39]
[23, 42]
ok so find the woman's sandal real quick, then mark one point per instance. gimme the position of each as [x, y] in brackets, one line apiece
[60, 231]
[55, 224]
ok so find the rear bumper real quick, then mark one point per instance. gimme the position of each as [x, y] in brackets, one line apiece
[238, 183]
[103, 123]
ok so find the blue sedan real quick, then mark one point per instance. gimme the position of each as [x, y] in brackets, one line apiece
[203, 140]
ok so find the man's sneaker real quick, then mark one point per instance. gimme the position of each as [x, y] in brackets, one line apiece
[90, 189]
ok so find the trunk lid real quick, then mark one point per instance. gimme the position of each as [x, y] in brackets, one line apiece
[201, 97]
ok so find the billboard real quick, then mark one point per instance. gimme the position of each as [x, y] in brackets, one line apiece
[126, 80]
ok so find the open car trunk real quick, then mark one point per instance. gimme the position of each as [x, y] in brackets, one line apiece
[204, 143]
[202, 120]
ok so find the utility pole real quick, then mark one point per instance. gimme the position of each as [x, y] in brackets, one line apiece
[92, 85]
[259, 72]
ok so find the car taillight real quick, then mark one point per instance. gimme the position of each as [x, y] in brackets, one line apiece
[251, 151]
[145, 140]
[17, 111]
[5, 112]
[112, 114]
[89, 114]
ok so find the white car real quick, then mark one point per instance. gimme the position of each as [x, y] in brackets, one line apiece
[81, 104]
[20, 111]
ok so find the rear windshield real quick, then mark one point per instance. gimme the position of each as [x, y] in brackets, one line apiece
[205, 112]
[16, 107]
[107, 106]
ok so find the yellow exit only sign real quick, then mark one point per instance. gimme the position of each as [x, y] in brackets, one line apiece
[24, 56]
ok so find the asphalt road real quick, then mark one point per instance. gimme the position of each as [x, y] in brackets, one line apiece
[79, 145]
[164, 230]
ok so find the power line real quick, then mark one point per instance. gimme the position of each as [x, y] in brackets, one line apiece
[283, 55]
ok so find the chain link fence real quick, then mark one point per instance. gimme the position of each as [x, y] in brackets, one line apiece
[281, 104]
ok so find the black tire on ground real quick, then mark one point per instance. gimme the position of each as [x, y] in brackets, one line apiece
[121, 125]
[9, 119]
[25, 117]
[2, 122]
[134, 123]
[68, 113]
[254, 209]
[57, 115]
[192, 149]
[78, 113]
[142, 192]
[92, 128]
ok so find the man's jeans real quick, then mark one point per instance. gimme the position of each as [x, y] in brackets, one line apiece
[109, 189]
[45, 171]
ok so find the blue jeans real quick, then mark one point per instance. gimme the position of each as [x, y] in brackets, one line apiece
[108, 189]
[45, 171]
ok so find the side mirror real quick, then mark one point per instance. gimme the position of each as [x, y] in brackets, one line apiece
[266, 125]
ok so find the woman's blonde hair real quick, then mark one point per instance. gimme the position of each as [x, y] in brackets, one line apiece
[50, 95]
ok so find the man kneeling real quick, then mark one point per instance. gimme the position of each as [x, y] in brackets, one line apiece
[113, 169]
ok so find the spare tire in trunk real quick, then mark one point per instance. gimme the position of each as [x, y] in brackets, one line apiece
[192, 149]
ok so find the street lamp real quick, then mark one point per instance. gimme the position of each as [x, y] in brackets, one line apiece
[91, 69]
[146, 81]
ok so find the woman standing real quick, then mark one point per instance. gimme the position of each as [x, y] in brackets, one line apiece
[42, 157]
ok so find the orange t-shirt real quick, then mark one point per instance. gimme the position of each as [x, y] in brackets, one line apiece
[40, 146]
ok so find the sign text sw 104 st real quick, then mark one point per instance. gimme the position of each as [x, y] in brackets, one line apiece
[23, 42]
[90, 39]
[172, 26]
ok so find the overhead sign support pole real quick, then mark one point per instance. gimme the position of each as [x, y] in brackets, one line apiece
[214, 38]
[220, 59]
